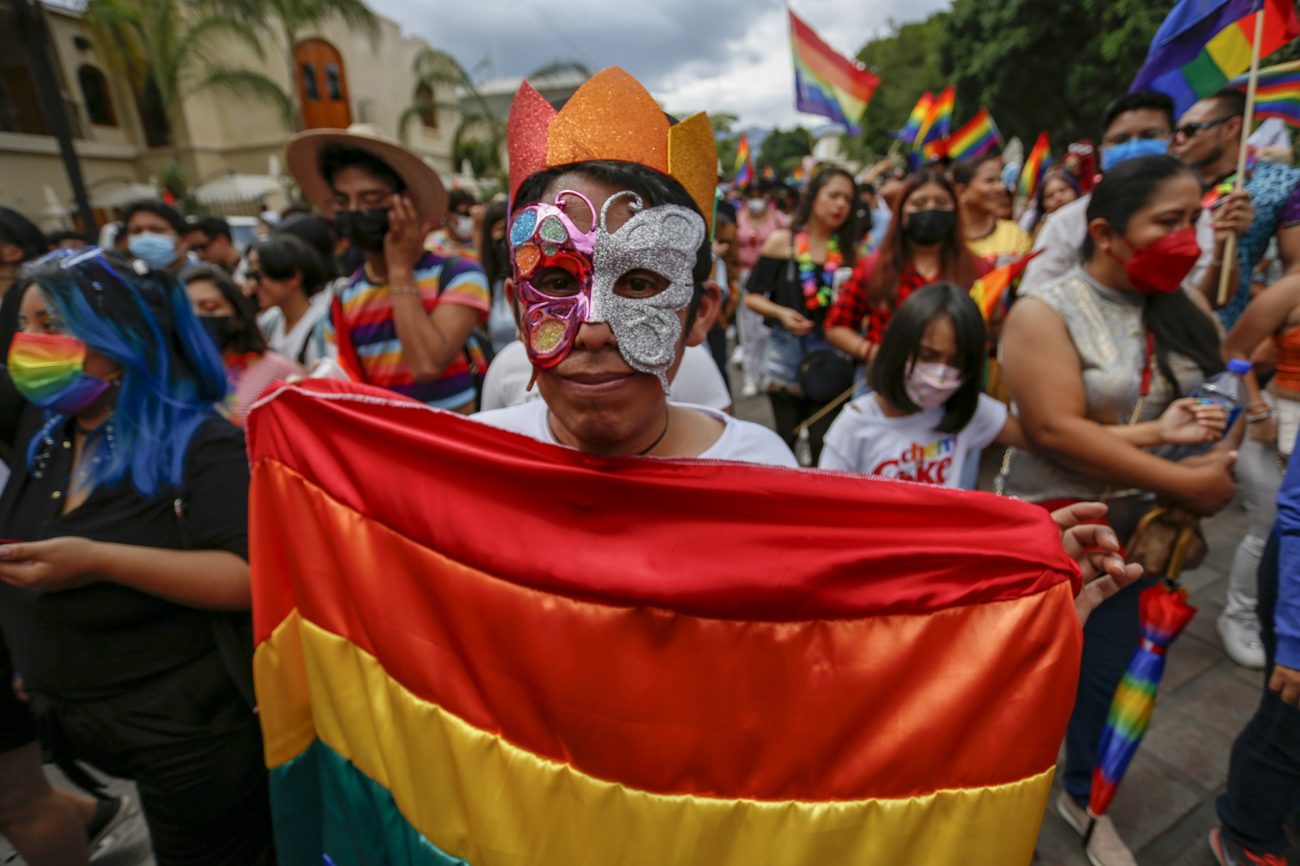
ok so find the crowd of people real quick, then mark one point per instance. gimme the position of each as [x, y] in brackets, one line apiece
[124, 580]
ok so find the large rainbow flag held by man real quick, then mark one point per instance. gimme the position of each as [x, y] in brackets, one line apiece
[476, 648]
[826, 82]
[1204, 43]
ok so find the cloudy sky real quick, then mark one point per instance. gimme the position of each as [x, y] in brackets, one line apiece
[715, 55]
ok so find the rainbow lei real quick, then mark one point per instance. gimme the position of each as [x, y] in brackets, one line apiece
[816, 292]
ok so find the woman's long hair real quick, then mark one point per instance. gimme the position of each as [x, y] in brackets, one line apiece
[171, 373]
[1175, 320]
[956, 262]
[846, 236]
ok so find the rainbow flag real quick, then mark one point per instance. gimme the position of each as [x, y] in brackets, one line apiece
[919, 117]
[977, 137]
[991, 289]
[1202, 44]
[1036, 165]
[744, 163]
[1277, 93]
[477, 648]
[826, 82]
[938, 123]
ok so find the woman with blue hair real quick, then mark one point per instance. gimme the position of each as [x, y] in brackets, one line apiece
[126, 587]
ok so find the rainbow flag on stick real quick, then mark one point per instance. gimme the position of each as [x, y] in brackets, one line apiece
[744, 163]
[918, 118]
[523, 655]
[991, 289]
[976, 138]
[1036, 165]
[1202, 44]
[826, 82]
[938, 123]
[1277, 93]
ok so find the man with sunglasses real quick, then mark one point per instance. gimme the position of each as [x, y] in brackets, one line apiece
[1137, 124]
[1208, 138]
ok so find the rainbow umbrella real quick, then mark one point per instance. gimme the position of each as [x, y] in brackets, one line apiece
[1165, 612]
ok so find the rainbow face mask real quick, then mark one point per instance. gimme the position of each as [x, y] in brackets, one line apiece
[565, 277]
[49, 371]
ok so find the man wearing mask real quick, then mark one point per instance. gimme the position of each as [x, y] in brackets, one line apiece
[153, 235]
[456, 238]
[403, 320]
[1208, 138]
[1137, 124]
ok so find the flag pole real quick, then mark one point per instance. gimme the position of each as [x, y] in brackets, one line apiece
[1230, 248]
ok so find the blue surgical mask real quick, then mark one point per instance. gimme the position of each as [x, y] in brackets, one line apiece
[155, 250]
[1131, 149]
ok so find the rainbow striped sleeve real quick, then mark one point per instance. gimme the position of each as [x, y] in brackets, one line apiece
[476, 648]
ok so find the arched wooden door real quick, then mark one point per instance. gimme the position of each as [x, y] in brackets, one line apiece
[322, 85]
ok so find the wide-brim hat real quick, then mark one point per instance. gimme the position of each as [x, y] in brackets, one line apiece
[302, 155]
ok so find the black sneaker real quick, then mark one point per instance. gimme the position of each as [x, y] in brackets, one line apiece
[1229, 853]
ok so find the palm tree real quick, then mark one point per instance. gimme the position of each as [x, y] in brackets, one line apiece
[300, 18]
[171, 47]
[481, 133]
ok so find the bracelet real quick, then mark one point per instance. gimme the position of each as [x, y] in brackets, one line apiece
[405, 290]
[1260, 418]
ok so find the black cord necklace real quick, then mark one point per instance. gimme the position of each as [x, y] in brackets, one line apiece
[667, 420]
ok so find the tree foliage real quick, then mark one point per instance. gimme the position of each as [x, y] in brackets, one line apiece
[784, 150]
[907, 62]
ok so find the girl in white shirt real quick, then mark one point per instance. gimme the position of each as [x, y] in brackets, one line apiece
[926, 412]
[288, 277]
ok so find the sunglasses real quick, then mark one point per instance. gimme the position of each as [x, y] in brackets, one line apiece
[1191, 130]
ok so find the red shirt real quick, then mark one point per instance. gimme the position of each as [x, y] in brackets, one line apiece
[852, 310]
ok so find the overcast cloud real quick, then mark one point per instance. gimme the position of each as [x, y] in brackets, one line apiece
[714, 55]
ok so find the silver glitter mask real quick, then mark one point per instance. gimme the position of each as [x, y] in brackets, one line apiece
[664, 240]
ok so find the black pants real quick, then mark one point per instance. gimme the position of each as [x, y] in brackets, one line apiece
[789, 410]
[718, 349]
[1110, 636]
[193, 747]
[1264, 772]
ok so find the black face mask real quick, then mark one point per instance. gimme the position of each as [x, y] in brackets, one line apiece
[220, 328]
[928, 227]
[364, 228]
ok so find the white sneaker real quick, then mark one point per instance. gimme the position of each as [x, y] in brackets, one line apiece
[749, 390]
[1104, 847]
[1240, 636]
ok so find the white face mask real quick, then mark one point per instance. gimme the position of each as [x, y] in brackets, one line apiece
[756, 205]
[464, 225]
[931, 385]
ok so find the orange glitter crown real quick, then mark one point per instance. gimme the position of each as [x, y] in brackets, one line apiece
[611, 116]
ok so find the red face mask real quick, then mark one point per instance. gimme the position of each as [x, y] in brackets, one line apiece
[1160, 267]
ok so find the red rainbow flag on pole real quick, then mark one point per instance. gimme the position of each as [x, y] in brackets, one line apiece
[977, 137]
[744, 163]
[826, 82]
[476, 648]
[1036, 165]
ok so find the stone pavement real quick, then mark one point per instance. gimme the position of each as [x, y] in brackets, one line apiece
[1165, 808]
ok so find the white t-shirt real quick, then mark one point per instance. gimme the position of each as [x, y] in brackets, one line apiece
[741, 441]
[305, 342]
[863, 439]
[698, 380]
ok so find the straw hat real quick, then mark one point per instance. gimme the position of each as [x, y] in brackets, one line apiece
[302, 155]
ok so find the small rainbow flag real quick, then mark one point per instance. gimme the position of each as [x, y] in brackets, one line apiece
[768, 172]
[991, 289]
[1036, 165]
[918, 118]
[938, 123]
[744, 164]
[524, 655]
[826, 82]
[1277, 93]
[977, 137]
[1204, 43]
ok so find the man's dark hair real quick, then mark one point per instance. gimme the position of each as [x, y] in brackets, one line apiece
[458, 198]
[901, 344]
[723, 214]
[56, 238]
[317, 232]
[158, 208]
[1178, 325]
[21, 232]
[336, 157]
[654, 188]
[282, 255]
[1231, 101]
[1139, 100]
[212, 227]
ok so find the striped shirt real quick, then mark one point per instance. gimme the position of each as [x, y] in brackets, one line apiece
[367, 313]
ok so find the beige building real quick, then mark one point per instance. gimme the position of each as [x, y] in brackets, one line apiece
[340, 76]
